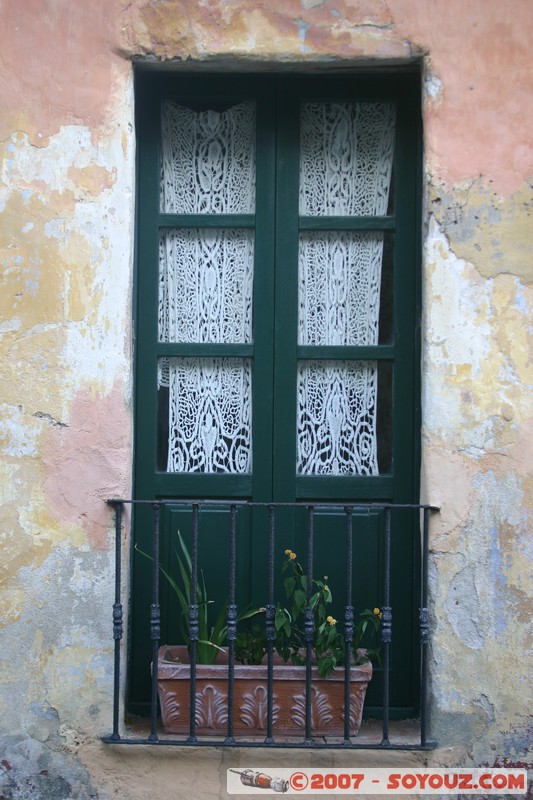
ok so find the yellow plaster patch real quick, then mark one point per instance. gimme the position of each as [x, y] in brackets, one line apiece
[513, 305]
[31, 371]
[33, 296]
[11, 605]
[503, 386]
[31, 286]
[479, 341]
[40, 524]
[463, 372]
[492, 232]
[69, 674]
[82, 298]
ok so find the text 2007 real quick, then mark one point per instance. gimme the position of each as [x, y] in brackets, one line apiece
[331, 780]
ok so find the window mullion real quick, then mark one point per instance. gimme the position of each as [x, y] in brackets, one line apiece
[406, 381]
[263, 325]
[287, 238]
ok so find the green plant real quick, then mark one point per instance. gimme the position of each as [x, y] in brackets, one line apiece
[329, 646]
[251, 645]
[211, 635]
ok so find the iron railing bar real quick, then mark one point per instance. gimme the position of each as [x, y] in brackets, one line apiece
[348, 624]
[313, 745]
[232, 623]
[193, 621]
[424, 627]
[155, 618]
[270, 624]
[169, 501]
[386, 627]
[117, 619]
[309, 623]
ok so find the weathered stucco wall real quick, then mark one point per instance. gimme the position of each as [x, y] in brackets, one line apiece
[66, 245]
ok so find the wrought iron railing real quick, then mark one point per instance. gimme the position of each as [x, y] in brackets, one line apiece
[384, 740]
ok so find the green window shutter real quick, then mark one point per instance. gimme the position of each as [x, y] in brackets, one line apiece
[274, 353]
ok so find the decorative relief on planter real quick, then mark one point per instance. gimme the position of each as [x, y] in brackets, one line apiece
[211, 708]
[250, 698]
[254, 709]
[172, 708]
[357, 701]
[321, 710]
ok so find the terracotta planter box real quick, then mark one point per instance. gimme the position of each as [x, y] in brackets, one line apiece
[250, 715]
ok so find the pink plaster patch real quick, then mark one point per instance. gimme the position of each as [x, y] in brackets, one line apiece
[68, 53]
[481, 51]
[88, 462]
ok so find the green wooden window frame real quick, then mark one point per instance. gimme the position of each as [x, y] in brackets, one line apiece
[275, 283]
[274, 350]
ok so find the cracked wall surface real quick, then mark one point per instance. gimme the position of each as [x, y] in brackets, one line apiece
[67, 173]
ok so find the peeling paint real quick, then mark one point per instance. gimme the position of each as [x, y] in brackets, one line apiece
[463, 610]
[493, 232]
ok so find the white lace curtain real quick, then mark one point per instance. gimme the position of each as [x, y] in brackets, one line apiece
[206, 284]
[345, 170]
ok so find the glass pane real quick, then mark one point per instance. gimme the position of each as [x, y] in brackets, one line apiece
[337, 413]
[208, 159]
[344, 288]
[206, 285]
[346, 155]
[205, 415]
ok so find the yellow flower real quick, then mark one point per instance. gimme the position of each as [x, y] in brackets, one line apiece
[331, 620]
[292, 556]
[288, 552]
[377, 612]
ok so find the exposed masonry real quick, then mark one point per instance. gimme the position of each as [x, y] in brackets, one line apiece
[33, 771]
